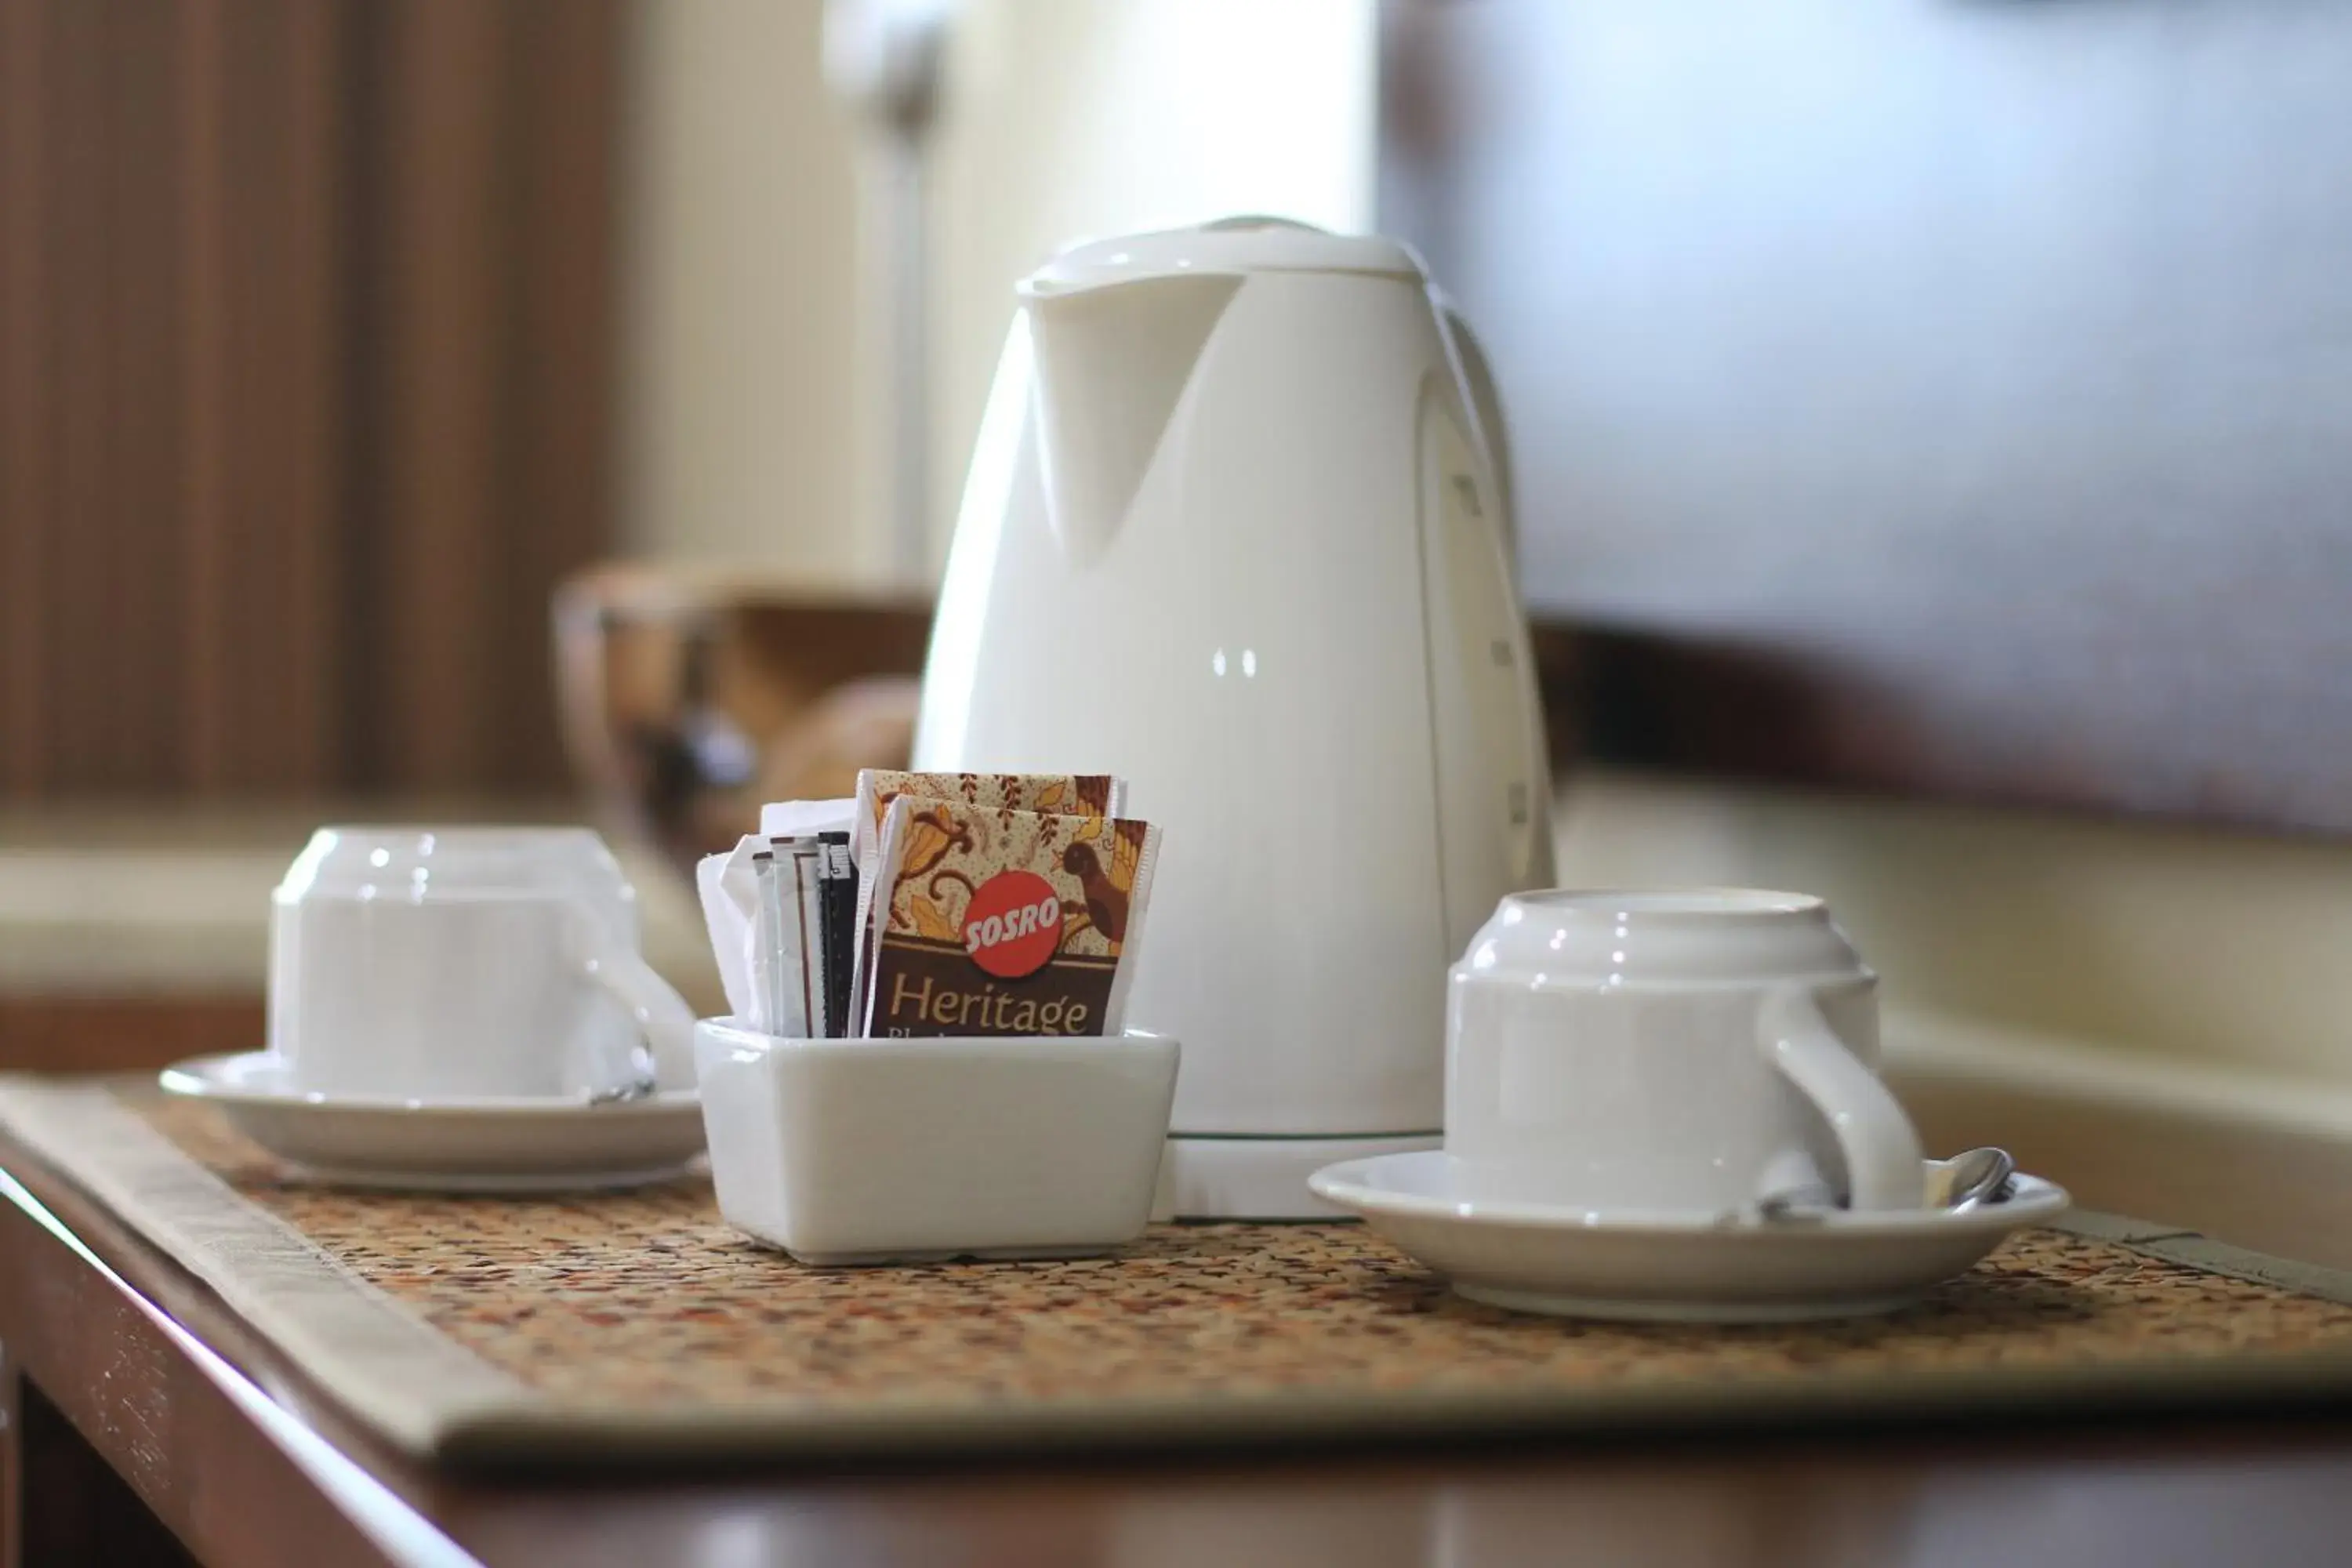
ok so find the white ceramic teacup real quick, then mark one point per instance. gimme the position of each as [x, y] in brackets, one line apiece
[466, 962]
[1693, 1051]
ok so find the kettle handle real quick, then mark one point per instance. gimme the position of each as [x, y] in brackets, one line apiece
[1486, 403]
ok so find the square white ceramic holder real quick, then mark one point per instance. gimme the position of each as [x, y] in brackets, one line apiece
[885, 1151]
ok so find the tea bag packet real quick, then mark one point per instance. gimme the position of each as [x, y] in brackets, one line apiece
[1002, 921]
[1094, 795]
[1079, 795]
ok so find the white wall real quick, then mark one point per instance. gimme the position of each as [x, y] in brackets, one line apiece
[2168, 941]
[753, 406]
[741, 363]
[1077, 118]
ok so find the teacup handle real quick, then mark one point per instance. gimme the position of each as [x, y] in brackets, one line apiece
[1883, 1165]
[662, 1015]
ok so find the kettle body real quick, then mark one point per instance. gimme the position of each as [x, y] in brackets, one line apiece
[1233, 529]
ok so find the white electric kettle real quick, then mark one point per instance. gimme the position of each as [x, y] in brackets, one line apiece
[1235, 529]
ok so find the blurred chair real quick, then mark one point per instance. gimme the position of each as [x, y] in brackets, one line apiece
[686, 698]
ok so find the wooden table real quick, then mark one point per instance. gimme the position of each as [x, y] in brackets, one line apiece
[140, 1410]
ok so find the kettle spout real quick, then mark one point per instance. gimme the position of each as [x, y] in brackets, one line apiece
[1112, 362]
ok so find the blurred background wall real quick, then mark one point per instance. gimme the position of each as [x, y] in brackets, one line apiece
[748, 435]
[754, 407]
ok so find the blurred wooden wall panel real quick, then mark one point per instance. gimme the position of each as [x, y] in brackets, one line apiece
[27, 405]
[436, 301]
[565, 250]
[304, 387]
[132, 606]
[69, 322]
[266, 315]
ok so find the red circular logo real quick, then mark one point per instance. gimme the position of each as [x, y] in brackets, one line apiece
[1013, 924]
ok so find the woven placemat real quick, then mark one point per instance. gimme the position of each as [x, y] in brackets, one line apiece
[633, 1324]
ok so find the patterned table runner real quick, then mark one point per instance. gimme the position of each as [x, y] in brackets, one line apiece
[481, 1329]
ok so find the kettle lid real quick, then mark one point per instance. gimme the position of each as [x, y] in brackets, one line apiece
[1231, 245]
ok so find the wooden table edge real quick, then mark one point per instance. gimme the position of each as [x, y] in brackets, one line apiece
[248, 1463]
[199, 1424]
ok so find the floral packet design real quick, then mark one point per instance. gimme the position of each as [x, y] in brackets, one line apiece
[994, 920]
[1080, 794]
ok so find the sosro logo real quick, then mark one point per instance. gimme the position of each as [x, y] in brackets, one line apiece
[1013, 926]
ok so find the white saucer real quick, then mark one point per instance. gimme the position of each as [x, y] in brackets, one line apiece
[508, 1145]
[1671, 1267]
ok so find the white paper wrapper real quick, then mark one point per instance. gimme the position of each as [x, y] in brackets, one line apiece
[731, 896]
[806, 818]
[729, 923]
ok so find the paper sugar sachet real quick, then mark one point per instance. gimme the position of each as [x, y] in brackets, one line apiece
[997, 921]
[1091, 795]
[728, 888]
[788, 974]
[837, 906]
[729, 923]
